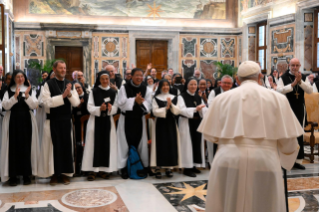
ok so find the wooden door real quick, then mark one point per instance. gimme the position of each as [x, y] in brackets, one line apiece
[73, 57]
[152, 51]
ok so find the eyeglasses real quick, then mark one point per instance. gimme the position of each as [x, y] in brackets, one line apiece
[128, 74]
[77, 88]
[227, 83]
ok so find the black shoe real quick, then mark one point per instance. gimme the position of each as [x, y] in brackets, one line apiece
[150, 172]
[26, 180]
[13, 181]
[158, 174]
[124, 173]
[196, 170]
[189, 173]
[299, 166]
[169, 173]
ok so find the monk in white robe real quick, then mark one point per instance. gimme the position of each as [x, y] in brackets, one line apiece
[256, 132]
[56, 157]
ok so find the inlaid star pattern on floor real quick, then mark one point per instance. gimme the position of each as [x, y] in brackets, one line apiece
[190, 191]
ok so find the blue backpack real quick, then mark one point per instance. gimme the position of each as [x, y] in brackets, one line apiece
[135, 168]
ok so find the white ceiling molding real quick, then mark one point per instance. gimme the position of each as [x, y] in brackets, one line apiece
[265, 15]
[306, 4]
[282, 19]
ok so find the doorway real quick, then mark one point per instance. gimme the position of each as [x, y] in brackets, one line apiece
[73, 57]
[152, 51]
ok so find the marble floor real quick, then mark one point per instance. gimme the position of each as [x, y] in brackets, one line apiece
[180, 193]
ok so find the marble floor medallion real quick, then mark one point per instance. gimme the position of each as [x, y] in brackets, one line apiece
[89, 198]
[185, 196]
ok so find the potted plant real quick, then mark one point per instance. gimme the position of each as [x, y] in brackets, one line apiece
[224, 69]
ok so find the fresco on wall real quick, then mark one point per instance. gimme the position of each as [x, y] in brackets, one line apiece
[247, 4]
[197, 9]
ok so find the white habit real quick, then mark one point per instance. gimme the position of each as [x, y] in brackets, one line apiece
[88, 155]
[185, 136]
[46, 160]
[126, 104]
[256, 132]
[40, 116]
[7, 104]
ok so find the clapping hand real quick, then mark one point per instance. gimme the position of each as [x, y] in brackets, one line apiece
[16, 94]
[67, 90]
[28, 90]
[169, 103]
[200, 107]
[200, 93]
[103, 107]
[113, 86]
[155, 86]
[139, 99]
[109, 107]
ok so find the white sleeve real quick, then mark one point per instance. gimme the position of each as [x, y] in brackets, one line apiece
[148, 100]
[158, 112]
[124, 103]
[32, 101]
[8, 103]
[40, 97]
[306, 86]
[74, 99]
[93, 110]
[315, 89]
[283, 89]
[188, 112]
[175, 108]
[51, 102]
[203, 110]
[114, 107]
[288, 150]
[211, 97]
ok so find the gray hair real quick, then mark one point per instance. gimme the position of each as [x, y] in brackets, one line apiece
[250, 77]
[227, 77]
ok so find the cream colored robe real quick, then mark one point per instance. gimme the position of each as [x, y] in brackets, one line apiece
[257, 135]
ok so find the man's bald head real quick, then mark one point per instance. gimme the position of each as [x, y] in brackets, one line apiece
[294, 65]
[111, 70]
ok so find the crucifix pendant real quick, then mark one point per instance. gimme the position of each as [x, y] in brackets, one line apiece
[296, 94]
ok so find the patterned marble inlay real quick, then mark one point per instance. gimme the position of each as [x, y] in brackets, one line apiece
[252, 48]
[303, 183]
[229, 62]
[308, 17]
[17, 52]
[281, 63]
[308, 201]
[308, 30]
[251, 30]
[282, 40]
[208, 47]
[185, 196]
[89, 198]
[33, 45]
[189, 47]
[96, 46]
[110, 46]
[188, 67]
[227, 47]
[115, 63]
[208, 68]
[69, 34]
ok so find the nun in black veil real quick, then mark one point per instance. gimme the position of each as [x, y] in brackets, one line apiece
[100, 152]
[165, 149]
[20, 143]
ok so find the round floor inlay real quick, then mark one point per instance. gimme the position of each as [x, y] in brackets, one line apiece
[89, 198]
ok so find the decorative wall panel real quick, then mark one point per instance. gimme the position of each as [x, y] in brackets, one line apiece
[33, 45]
[201, 51]
[227, 48]
[282, 47]
[252, 48]
[282, 40]
[208, 47]
[308, 48]
[109, 49]
[189, 47]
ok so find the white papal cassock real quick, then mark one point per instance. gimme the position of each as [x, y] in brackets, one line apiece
[256, 132]
[88, 155]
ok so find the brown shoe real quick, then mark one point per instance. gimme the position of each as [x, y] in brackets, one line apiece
[65, 179]
[54, 180]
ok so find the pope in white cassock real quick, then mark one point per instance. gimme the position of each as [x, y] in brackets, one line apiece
[256, 132]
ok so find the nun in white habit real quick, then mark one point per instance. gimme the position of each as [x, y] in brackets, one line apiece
[192, 109]
[20, 143]
[165, 148]
[40, 115]
[100, 152]
[256, 132]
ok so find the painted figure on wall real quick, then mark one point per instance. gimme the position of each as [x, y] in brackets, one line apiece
[197, 9]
